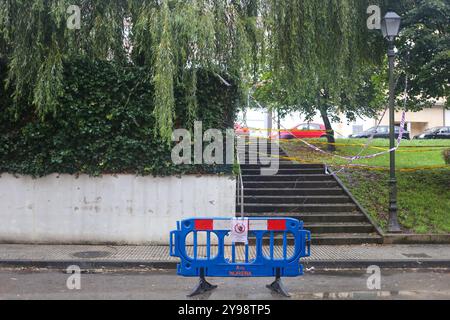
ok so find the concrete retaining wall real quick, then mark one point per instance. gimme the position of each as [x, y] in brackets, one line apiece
[125, 209]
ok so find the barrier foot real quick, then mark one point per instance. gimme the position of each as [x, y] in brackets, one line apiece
[202, 287]
[278, 287]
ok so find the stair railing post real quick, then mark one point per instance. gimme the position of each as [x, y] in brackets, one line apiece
[240, 185]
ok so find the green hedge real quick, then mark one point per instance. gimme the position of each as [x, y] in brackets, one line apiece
[104, 124]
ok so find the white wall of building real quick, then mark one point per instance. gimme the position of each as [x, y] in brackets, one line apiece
[417, 122]
[122, 209]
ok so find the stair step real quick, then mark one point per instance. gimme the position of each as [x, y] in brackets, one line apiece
[286, 178]
[339, 227]
[290, 165]
[283, 171]
[296, 199]
[264, 161]
[290, 184]
[294, 207]
[268, 149]
[316, 217]
[279, 156]
[294, 192]
[318, 228]
[346, 239]
[261, 154]
[327, 239]
[253, 147]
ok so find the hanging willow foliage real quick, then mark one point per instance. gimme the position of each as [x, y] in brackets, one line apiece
[175, 38]
[310, 46]
[319, 45]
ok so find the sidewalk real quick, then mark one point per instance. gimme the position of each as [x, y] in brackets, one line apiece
[118, 257]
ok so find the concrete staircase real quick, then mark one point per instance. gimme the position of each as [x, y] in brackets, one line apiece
[305, 192]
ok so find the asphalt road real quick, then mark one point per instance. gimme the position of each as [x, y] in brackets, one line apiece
[165, 285]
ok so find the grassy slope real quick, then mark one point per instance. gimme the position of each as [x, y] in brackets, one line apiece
[423, 195]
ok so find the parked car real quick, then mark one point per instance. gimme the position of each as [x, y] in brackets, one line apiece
[305, 131]
[241, 130]
[435, 133]
[381, 132]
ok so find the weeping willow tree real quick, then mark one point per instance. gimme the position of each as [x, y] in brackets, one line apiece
[320, 53]
[315, 50]
[174, 38]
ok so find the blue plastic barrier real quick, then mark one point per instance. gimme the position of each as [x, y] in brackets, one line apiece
[264, 264]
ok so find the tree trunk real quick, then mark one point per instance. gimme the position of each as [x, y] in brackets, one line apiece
[330, 132]
[269, 122]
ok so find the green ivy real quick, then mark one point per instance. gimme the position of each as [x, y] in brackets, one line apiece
[104, 124]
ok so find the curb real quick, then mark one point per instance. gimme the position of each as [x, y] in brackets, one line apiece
[167, 265]
[416, 239]
[89, 265]
[386, 264]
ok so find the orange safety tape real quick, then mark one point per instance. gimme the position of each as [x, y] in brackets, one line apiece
[370, 147]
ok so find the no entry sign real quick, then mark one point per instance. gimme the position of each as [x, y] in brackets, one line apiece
[239, 230]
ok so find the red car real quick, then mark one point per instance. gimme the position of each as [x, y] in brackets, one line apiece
[240, 130]
[305, 131]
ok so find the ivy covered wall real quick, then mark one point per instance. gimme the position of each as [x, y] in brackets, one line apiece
[104, 124]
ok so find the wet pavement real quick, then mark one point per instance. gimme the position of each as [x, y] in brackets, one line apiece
[115, 257]
[165, 285]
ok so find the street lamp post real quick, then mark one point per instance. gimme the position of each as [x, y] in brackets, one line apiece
[390, 26]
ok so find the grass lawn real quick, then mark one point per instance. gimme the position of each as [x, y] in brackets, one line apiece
[423, 179]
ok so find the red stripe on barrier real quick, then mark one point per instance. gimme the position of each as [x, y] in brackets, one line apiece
[204, 225]
[276, 225]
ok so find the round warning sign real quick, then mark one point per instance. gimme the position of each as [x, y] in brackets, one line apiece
[239, 230]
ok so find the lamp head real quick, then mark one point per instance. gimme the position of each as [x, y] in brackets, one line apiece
[390, 25]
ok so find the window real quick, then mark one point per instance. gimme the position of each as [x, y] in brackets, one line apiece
[432, 130]
[303, 127]
[314, 127]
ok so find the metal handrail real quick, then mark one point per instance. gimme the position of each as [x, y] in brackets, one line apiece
[240, 185]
